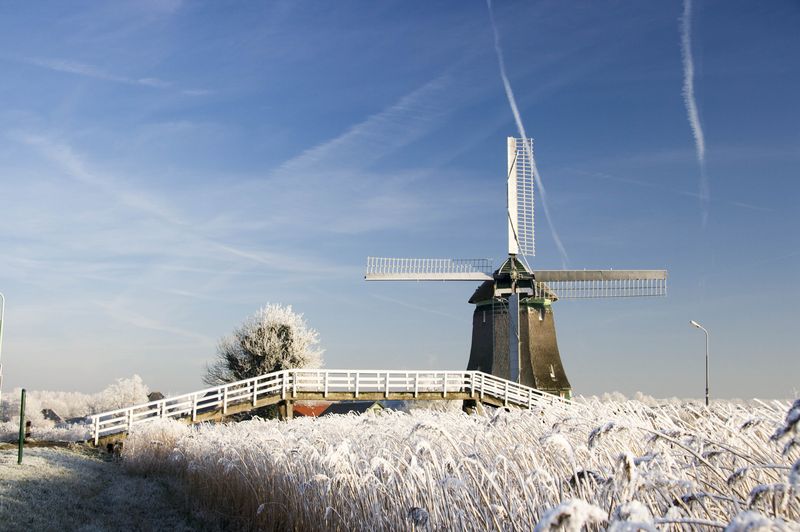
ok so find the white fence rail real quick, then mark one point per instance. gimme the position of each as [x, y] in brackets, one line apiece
[288, 384]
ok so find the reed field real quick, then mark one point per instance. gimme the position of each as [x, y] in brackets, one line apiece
[621, 465]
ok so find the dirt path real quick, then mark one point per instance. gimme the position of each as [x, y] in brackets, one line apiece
[63, 489]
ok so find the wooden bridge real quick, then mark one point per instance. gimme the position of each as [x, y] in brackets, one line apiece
[287, 386]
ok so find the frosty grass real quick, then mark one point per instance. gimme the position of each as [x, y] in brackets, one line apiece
[621, 465]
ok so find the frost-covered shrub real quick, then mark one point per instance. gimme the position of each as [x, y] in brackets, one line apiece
[625, 466]
[67, 405]
[274, 338]
[9, 431]
[33, 408]
[122, 393]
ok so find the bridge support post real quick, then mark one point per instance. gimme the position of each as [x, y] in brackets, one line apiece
[286, 410]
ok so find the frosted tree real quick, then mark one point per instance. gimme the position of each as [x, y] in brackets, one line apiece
[124, 392]
[272, 339]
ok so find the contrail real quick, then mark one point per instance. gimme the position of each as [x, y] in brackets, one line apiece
[521, 128]
[691, 104]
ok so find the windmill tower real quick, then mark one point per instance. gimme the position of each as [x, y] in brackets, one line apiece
[513, 331]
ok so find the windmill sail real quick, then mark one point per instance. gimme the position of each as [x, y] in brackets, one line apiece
[520, 197]
[397, 269]
[588, 284]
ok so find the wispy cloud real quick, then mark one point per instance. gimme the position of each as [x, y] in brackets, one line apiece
[89, 71]
[691, 104]
[420, 308]
[521, 128]
[162, 7]
[670, 189]
[154, 82]
[99, 237]
[188, 237]
[197, 92]
[382, 133]
[338, 186]
[127, 316]
[66, 158]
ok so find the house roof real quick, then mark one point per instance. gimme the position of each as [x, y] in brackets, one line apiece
[310, 408]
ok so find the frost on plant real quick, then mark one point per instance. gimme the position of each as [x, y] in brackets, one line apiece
[71, 409]
[272, 339]
[791, 423]
[750, 521]
[418, 516]
[505, 470]
[633, 511]
[794, 476]
[571, 516]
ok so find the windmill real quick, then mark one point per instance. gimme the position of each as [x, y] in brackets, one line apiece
[513, 331]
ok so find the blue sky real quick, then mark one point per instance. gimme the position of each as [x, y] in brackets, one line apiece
[169, 167]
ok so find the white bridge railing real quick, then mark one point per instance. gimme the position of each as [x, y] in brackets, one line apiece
[289, 383]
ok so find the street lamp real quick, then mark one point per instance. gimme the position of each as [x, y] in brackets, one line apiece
[695, 324]
[2, 315]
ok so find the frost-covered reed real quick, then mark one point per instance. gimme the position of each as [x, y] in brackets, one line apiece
[615, 464]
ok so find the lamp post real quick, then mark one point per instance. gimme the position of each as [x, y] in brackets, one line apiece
[695, 324]
[2, 315]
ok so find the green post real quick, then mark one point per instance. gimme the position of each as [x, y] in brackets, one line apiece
[21, 426]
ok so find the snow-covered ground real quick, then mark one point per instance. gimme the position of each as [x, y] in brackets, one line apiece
[616, 464]
[60, 489]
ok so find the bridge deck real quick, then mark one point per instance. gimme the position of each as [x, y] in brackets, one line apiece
[213, 404]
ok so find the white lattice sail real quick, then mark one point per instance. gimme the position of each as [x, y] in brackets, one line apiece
[590, 284]
[408, 269]
[520, 197]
